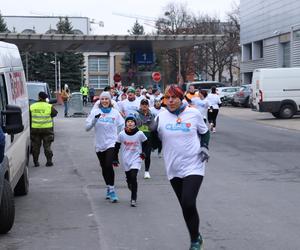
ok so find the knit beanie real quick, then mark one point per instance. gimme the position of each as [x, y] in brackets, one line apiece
[130, 118]
[105, 94]
[43, 95]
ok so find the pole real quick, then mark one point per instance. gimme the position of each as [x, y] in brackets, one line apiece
[26, 63]
[55, 69]
[291, 46]
[59, 78]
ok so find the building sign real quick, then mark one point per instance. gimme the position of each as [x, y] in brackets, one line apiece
[144, 57]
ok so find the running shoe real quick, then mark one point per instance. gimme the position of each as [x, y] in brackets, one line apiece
[107, 197]
[147, 175]
[133, 203]
[197, 245]
[113, 197]
[214, 130]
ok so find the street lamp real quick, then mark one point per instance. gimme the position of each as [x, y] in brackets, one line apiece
[57, 69]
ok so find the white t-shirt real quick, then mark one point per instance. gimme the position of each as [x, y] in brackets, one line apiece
[131, 148]
[129, 107]
[156, 111]
[181, 142]
[106, 128]
[213, 100]
[201, 105]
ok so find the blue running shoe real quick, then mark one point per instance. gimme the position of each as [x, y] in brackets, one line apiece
[113, 197]
[107, 197]
[197, 245]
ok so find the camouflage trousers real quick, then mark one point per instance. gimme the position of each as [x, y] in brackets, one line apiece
[38, 137]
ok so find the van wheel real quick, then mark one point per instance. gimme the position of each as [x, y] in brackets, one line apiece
[7, 208]
[286, 111]
[23, 184]
[276, 114]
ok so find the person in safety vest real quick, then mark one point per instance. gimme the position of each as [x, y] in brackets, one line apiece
[84, 90]
[41, 114]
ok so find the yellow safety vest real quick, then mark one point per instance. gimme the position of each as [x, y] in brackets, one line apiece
[84, 90]
[41, 115]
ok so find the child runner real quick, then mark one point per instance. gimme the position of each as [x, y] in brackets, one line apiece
[131, 141]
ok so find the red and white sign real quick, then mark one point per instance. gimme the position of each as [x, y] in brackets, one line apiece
[156, 76]
[117, 77]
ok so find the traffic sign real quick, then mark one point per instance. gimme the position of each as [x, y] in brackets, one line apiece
[156, 76]
[117, 77]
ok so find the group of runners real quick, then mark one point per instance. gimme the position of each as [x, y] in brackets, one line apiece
[134, 125]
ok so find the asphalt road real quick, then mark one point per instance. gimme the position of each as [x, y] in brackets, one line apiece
[248, 200]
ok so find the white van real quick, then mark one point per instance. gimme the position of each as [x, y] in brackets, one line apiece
[15, 124]
[276, 91]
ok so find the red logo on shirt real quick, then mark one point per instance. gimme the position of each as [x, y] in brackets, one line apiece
[187, 125]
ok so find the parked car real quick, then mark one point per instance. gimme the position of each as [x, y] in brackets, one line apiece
[226, 94]
[205, 85]
[34, 88]
[242, 97]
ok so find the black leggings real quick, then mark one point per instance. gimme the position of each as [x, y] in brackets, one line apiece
[186, 190]
[212, 117]
[148, 156]
[106, 159]
[131, 179]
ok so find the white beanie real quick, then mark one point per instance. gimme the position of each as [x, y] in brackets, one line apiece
[105, 94]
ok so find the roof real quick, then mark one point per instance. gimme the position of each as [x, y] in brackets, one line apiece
[98, 43]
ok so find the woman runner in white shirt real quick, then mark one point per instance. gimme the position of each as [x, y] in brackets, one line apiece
[214, 103]
[185, 139]
[107, 121]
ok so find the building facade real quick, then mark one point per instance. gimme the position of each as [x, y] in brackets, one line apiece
[100, 67]
[270, 35]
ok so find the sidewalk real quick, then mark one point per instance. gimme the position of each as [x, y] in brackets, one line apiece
[264, 118]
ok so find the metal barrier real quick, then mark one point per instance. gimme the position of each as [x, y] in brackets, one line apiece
[76, 105]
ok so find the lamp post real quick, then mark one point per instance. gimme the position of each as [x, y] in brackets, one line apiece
[57, 74]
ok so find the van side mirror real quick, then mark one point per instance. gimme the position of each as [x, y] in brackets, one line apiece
[11, 120]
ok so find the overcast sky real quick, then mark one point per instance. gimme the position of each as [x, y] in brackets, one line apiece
[105, 10]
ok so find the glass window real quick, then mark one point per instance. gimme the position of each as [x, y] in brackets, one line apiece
[98, 82]
[3, 93]
[98, 64]
[286, 54]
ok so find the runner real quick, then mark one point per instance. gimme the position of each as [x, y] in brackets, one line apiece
[144, 120]
[214, 105]
[200, 102]
[155, 110]
[106, 120]
[180, 128]
[131, 141]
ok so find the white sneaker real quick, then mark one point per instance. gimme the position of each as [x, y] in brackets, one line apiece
[214, 130]
[147, 175]
[211, 127]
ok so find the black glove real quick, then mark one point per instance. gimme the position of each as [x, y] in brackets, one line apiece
[97, 116]
[204, 154]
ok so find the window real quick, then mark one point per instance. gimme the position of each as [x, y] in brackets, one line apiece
[258, 49]
[286, 54]
[98, 64]
[98, 82]
[247, 52]
[3, 93]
